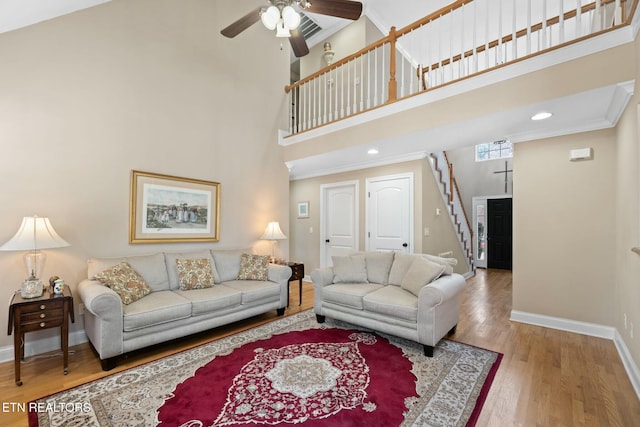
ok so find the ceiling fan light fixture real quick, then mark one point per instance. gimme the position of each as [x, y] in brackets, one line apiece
[290, 17]
[270, 17]
[282, 30]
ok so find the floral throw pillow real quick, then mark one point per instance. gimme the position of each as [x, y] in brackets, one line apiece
[253, 267]
[124, 281]
[194, 273]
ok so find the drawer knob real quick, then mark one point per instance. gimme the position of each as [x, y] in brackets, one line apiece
[42, 325]
[42, 315]
[42, 307]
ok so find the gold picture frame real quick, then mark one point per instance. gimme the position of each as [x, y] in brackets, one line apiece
[172, 209]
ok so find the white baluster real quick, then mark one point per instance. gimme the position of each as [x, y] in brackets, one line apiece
[544, 24]
[486, 38]
[325, 98]
[336, 110]
[561, 23]
[514, 40]
[578, 18]
[342, 90]
[362, 82]
[529, 27]
[618, 13]
[499, 55]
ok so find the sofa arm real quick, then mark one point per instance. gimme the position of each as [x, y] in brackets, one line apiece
[322, 276]
[279, 273]
[438, 308]
[441, 290]
[103, 320]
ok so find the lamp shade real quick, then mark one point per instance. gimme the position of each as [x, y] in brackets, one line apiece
[270, 17]
[34, 233]
[273, 232]
[290, 17]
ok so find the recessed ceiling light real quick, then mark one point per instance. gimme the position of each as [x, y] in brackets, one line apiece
[541, 116]
[373, 151]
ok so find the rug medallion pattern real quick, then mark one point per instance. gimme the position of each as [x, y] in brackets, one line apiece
[244, 380]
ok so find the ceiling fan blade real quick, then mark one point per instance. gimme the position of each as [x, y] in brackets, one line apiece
[242, 24]
[340, 8]
[298, 43]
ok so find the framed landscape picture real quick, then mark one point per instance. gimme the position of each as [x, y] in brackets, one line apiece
[165, 208]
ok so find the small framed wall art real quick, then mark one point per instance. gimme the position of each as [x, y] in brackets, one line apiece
[303, 209]
[165, 209]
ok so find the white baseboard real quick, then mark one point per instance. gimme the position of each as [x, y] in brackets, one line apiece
[585, 328]
[43, 345]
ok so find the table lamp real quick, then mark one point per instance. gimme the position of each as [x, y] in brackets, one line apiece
[273, 233]
[34, 234]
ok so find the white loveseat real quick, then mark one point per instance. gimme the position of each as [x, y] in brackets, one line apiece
[115, 326]
[416, 297]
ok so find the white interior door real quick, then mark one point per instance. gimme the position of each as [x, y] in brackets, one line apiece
[390, 213]
[340, 220]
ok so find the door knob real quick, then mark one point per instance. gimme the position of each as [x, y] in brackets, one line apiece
[404, 245]
[326, 241]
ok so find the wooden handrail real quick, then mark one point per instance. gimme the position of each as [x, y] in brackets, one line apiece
[339, 63]
[521, 33]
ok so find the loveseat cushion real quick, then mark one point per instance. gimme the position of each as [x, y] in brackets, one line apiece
[172, 266]
[392, 301]
[254, 290]
[421, 273]
[154, 309]
[210, 300]
[151, 267]
[349, 269]
[401, 264]
[379, 266]
[348, 294]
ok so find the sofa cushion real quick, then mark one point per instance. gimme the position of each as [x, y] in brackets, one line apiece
[349, 269]
[253, 267]
[348, 294]
[378, 266]
[210, 300]
[125, 281]
[228, 263]
[154, 309]
[253, 290]
[194, 273]
[421, 273]
[400, 266]
[392, 301]
[171, 258]
[151, 267]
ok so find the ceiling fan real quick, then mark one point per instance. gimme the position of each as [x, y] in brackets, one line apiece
[280, 15]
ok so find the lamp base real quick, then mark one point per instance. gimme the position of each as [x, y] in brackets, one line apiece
[31, 288]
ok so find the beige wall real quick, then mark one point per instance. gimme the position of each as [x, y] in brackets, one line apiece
[305, 246]
[137, 84]
[564, 228]
[627, 266]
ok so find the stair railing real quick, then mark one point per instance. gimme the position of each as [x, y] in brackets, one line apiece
[429, 53]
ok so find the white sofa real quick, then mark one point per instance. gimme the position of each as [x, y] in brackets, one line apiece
[416, 297]
[167, 312]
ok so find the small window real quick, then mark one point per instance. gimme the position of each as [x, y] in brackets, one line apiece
[494, 150]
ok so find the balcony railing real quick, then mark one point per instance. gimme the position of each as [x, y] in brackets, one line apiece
[461, 40]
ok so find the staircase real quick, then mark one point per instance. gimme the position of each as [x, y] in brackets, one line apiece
[443, 172]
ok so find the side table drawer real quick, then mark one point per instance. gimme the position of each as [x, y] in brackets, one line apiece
[41, 316]
[44, 324]
[297, 271]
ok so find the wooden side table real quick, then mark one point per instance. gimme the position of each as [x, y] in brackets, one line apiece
[34, 314]
[297, 273]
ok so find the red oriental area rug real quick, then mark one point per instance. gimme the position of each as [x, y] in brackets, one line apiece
[292, 371]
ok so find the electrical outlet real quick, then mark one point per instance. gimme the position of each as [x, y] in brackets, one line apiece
[631, 329]
[625, 321]
[81, 309]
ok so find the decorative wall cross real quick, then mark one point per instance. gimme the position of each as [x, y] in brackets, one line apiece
[506, 175]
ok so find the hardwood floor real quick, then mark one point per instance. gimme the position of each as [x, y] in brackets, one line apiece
[546, 378]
